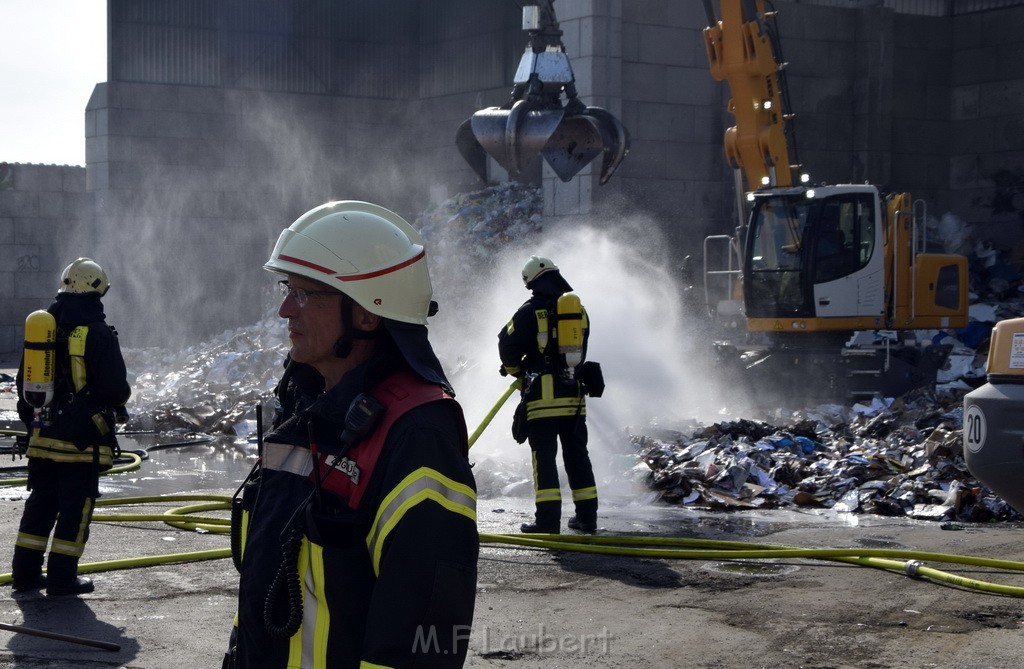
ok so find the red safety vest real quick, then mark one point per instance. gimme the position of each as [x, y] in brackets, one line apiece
[348, 477]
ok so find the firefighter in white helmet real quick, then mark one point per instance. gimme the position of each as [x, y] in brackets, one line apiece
[532, 348]
[359, 521]
[75, 443]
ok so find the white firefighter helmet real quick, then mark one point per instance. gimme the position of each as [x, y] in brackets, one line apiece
[536, 266]
[366, 251]
[83, 276]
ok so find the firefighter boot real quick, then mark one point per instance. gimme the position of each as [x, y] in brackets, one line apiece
[27, 570]
[547, 519]
[62, 577]
[585, 518]
[581, 525]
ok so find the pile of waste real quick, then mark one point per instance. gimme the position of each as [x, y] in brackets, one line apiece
[211, 388]
[473, 227]
[898, 457]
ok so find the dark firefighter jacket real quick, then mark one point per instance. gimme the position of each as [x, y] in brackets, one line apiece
[391, 583]
[527, 350]
[90, 382]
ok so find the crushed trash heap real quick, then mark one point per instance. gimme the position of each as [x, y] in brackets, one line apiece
[899, 457]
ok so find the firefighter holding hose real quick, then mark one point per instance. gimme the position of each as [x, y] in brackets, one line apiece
[545, 346]
[72, 383]
[357, 527]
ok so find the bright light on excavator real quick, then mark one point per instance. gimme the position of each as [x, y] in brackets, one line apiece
[534, 121]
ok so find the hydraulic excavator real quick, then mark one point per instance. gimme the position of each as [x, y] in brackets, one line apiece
[832, 281]
[835, 279]
[535, 121]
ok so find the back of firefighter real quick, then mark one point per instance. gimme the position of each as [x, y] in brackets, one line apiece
[554, 398]
[75, 443]
[358, 533]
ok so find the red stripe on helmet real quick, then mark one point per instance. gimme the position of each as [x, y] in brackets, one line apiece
[306, 263]
[381, 272]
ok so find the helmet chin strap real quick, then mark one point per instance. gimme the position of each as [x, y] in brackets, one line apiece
[343, 347]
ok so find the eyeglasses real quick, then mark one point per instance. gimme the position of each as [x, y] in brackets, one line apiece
[302, 295]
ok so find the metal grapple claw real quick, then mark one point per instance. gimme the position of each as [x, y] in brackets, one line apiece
[535, 122]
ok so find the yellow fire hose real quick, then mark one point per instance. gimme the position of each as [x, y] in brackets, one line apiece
[494, 410]
[907, 562]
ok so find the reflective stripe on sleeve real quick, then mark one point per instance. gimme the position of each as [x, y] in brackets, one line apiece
[419, 486]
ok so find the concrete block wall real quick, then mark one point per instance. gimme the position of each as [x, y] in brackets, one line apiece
[986, 123]
[675, 172]
[46, 221]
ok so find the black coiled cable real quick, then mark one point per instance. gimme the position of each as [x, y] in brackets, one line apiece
[286, 582]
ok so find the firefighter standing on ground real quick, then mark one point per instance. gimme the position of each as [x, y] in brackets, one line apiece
[72, 440]
[369, 558]
[554, 398]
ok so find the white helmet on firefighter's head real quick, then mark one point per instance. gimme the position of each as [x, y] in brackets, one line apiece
[536, 266]
[363, 250]
[84, 276]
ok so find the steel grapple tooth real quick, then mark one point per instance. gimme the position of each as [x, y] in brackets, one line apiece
[614, 140]
[514, 137]
[575, 142]
[471, 149]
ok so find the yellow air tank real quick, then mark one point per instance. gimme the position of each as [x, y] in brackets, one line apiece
[994, 417]
[40, 358]
[570, 330]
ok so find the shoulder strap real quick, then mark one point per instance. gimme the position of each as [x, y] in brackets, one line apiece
[76, 353]
[398, 394]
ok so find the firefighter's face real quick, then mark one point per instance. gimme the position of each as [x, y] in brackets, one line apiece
[313, 327]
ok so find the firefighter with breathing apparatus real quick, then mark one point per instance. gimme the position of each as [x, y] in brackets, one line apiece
[545, 345]
[356, 537]
[72, 385]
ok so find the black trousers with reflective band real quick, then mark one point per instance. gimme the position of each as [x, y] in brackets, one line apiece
[544, 435]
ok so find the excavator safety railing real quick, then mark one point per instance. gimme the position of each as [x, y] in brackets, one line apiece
[723, 275]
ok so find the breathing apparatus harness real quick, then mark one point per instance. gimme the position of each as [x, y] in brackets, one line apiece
[54, 375]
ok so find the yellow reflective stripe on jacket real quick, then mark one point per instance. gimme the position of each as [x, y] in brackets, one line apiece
[65, 451]
[312, 635]
[298, 641]
[76, 349]
[370, 665]
[419, 486]
[321, 623]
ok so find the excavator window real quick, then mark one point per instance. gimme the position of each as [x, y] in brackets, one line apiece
[777, 258]
[795, 242]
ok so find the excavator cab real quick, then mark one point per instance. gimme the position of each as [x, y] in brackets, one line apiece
[535, 121]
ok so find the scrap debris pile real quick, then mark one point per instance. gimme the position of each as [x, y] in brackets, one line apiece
[473, 227]
[210, 388]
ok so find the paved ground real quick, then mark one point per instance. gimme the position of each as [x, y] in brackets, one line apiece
[537, 608]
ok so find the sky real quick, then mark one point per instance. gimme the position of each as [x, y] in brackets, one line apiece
[55, 52]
